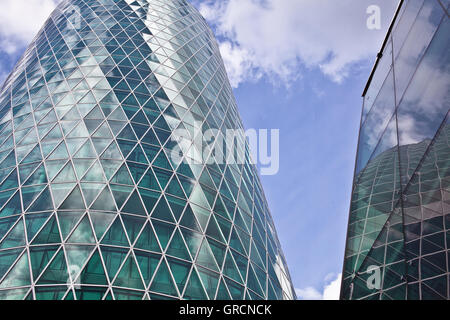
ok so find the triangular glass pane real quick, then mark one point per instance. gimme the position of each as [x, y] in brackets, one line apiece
[19, 275]
[150, 198]
[60, 192]
[230, 269]
[74, 201]
[220, 208]
[201, 214]
[83, 233]
[12, 207]
[134, 205]
[56, 272]
[29, 194]
[225, 227]
[163, 232]
[112, 152]
[177, 206]
[218, 250]
[49, 233]
[95, 173]
[138, 155]
[189, 220]
[210, 281]
[116, 235]
[38, 177]
[163, 176]
[66, 175]
[110, 167]
[34, 223]
[77, 257]
[129, 276]
[10, 182]
[205, 257]
[133, 225]
[113, 258]
[177, 248]
[120, 193]
[148, 262]
[194, 289]
[15, 238]
[149, 181]
[237, 291]
[59, 153]
[147, 240]
[180, 271]
[126, 146]
[252, 282]
[193, 240]
[222, 292]
[122, 176]
[137, 170]
[241, 262]
[175, 188]
[40, 257]
[91, 191]
[162, 211]
[213, 230]
[104, 201]
[7, 259]
[86, 151]
[101, 221]
[163, 282]
[93, 273]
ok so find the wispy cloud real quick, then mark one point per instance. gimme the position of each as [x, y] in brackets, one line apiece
[277, 38]
[20, 21]
[330, 290]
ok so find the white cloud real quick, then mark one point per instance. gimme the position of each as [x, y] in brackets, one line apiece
[21, 20]
[308, 293]
[275, 38]
[333, 289]
[330, 291]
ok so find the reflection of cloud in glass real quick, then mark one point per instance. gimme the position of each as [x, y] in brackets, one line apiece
[427, 100]
[376, 122]
[427, 96]
[416, 44]
[281, 272]
[17, 274]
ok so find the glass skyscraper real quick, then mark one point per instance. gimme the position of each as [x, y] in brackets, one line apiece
[399, 226]
[92, 204]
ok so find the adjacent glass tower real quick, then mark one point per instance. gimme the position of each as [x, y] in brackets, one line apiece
[399, 227]
[92, 205]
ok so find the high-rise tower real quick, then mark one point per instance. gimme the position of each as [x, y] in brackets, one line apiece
[399, 227]
[92, 203]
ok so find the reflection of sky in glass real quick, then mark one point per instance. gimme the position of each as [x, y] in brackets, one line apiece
[422, 88]
[381, 72]
[416, 43]
[376, 122]
[427, 99]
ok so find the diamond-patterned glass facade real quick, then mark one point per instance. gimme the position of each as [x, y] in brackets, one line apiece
[399, 226]
[92, 205]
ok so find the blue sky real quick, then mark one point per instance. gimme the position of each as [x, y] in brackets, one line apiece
[296, 65]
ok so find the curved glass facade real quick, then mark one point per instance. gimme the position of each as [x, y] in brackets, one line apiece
[399, 227]
[92, 205]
